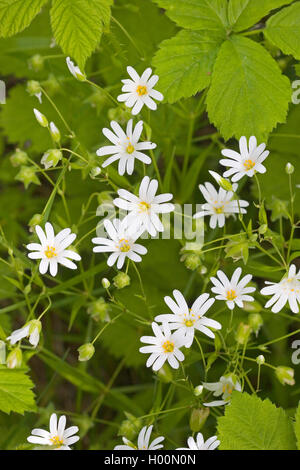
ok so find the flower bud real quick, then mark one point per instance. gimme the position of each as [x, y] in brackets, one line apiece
[14, 359]
[33, 87]
[51, 158]
[86, 352]
[36, 219]
[75, 70]
[243, 333]
[256, 322]
[285, 375]
[36, 63]
[260, 360]
[192, 261]
[223, 182]
[41, 119]
[105, 283]
[165, 374]
[121, 280]
[18, 158]
[198, 390]
[289, 169]
[96, 171]
[99, 310]
[198, 418]
[253, 307]
[27, 175]
[130, 427]
[54, 131]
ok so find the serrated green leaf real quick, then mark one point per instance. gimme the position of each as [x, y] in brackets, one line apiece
[185, 62]
[15, 391]
[252, 424]
[78, 24]
[248, 93]
[244, 13]
[16, 15]
[283, 30]
[204, 15]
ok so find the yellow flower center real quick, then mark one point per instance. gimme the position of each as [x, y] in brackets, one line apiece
[130, 148]
[189, 322]
[124, 245]
[227, 388]
[219, 210]
[50, 252]
[249, 164]
[57, 441]
[141, 90]
[231, 295]
[144, 206]
[168, 346]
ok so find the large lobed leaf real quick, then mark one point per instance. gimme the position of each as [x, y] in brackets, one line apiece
[248, 93]
[16, 15]
[283, 30]
[15, 391]
[78, 24]
[252, 424]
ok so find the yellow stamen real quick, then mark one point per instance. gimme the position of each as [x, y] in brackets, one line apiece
[219, 210]
[124, 245]
[57, 441]
[144, 206]
[50, 252]
[227, 388]
[141, 90]
[189, 322]
[168, 346]
[231, 295]
[249, 164]
[130, 148]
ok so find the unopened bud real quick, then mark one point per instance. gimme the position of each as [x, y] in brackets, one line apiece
[36, 219]
[54, 131]
[285, 375]
[33, 87]
[289, 169]
[260, 360]
[51, 158]
[121, 280]
[223, 182]
[14, 359]
[41, 119]
[198, 418]
[36, 63]
[192, 261]
[256, 322]
[243, 333]
[130, 427]
[95, 172]
[198, 390]
[99, 310]
[105, 283]
[86, 352]
[18, 158]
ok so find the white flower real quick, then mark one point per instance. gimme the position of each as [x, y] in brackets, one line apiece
[143, 209]
[75, 70]
[143, 441]
[139, 90]
[220, 204]
[58, 436]
[233, 291]
[224, 387]
[199, 444]
[287, 290]
[52, 249]
[126, 146]
[31, 329]
[41, 119]
[164, 347]
[247, 162]
[54, 131]
[121, 243]
[186, 320]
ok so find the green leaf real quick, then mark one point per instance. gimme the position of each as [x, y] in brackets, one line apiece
[16, 15]
[283, 30]
[252, 424]
[185, 63]
[244, 13]
[15, 391]
[248, 94]
[297, 426]
[78, 24]
[202, 15]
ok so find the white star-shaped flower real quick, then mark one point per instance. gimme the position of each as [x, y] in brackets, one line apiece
[233, 291]
[59, 437]
[143, 209]
[220, 204]
[187, 320]
[224, 387]
[164, 346]
[139, 90]
[247, 162]
[143, 441]
[126, 146]
[121, 243]
[287, 290]
[199, 444]
[52, 249]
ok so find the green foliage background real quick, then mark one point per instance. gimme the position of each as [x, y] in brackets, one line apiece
[226, 68]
